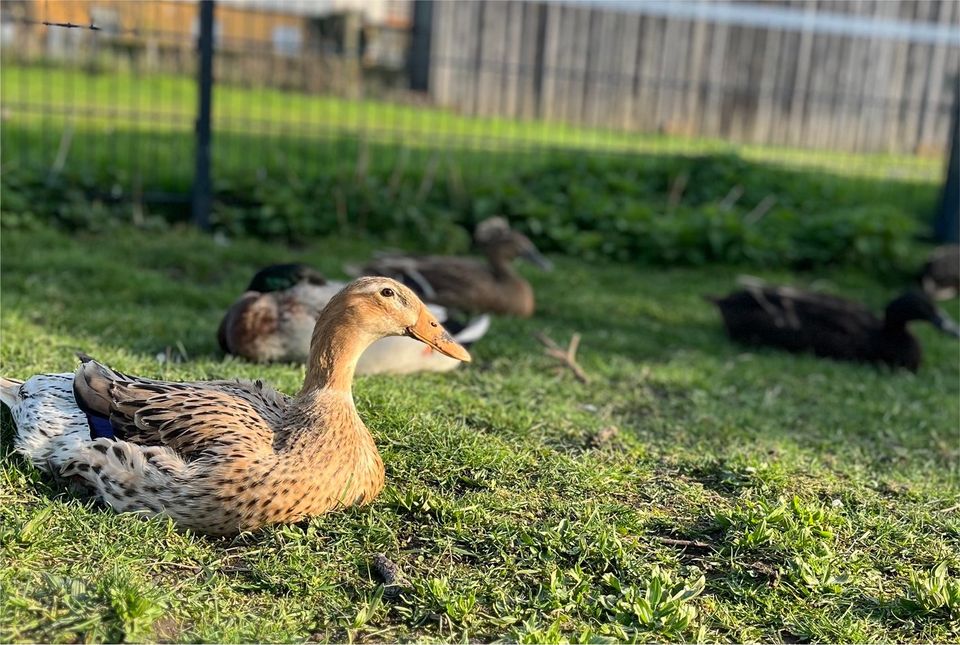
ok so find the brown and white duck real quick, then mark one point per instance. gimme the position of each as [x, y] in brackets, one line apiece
[225, 456]
[940, 278]
[274, 319]
[470, 284]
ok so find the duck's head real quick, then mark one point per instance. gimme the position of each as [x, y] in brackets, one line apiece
[278, 277]
[915, 305]
[379, 307]
[497, 239]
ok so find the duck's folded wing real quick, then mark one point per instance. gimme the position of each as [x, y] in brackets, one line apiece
[268, 402]
[821, 312]
[189, 418]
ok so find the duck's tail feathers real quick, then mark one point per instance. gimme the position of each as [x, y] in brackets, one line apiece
[403, 269]
[10, 391]
[751, 282]
[91, 385]
[473, 331]
[353, 270]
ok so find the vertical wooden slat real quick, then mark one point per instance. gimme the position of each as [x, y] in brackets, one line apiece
[492, 26]
[926, 142]
[871, 133]
[799, 105]
[672, 53]
[689, 114]
[551, 47]
[850, 70]
[647, 85]
[526, 71]
[741, 105]
[440, 71]
[512, 71]
[462, 53]
[473, 37]
[578, 60]
[898, 80]
[598, 83]
[917, 69]
[626, 69]
[782, 99]
[715, 82]
[563, 62]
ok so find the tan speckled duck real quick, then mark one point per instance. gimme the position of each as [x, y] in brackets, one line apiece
[224, 456]
[470, 284]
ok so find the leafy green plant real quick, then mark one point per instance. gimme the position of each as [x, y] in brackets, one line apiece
[663, 607]
[814, 575]
[615, 207]
[933, 592]
[792, 527]
[133, 609]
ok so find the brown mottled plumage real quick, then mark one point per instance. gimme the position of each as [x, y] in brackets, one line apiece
[468, 284]
[224, 456]
[273, 320]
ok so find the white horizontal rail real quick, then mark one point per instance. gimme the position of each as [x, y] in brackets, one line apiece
[754, 15]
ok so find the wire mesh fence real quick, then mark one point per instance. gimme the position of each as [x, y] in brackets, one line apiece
[103, 94]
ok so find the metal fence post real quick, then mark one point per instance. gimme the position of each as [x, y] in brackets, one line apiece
[946, 226]
[418, 60]
[202, 191]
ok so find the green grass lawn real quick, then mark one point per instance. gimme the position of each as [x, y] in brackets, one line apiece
[821, 497]
[48, 98]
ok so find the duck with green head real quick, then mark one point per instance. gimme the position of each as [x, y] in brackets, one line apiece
[274, 319]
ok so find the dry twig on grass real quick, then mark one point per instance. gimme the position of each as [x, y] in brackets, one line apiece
[567, 357]
[684, 543]
[735, 194]
[676, 191]
[760, 210]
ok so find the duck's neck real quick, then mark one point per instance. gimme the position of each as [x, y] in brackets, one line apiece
[338, 341]
[515, 294]
[502, 266]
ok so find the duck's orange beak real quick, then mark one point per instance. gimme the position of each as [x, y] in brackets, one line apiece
[428, 330]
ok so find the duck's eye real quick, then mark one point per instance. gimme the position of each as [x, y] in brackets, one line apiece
[387, 292]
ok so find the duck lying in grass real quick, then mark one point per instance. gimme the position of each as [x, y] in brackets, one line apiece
[940, 277]
[802, 321]
[225, 456]
[274, 321]
[469, 284]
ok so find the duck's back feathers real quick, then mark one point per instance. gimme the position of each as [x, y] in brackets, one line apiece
[185, 417]
[49, 423]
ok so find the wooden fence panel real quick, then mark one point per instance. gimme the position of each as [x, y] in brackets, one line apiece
[694, 74]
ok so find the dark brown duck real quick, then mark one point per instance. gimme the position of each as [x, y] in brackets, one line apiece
[831, 327]
[470, 284]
